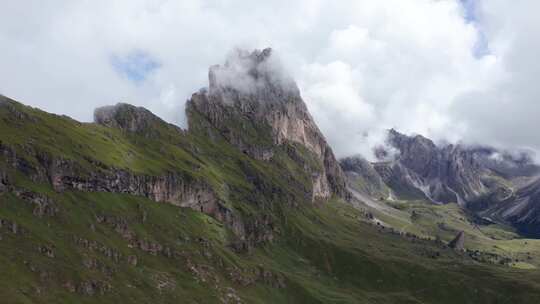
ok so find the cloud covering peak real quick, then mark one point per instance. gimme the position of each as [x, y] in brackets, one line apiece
[259, 73]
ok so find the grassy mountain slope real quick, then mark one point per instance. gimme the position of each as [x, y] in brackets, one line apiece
[70, 245]
[488, 240]
[494, 243]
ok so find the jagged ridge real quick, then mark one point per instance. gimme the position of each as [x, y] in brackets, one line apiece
[492, 184]
[263, 113]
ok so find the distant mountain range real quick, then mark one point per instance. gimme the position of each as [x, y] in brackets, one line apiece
[496, 185]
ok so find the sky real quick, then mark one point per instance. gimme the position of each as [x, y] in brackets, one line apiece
[453, 70]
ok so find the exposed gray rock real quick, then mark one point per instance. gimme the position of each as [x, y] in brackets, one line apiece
[363, 177]
[521, 209]
[15, 114]
[132, 119]
[92, 287]
[95, 264]
[405, 183]
[458, 242]
[450, 173]
[12, 227]
[20, 164]
[263, 109]
[4, 182]
[446, 174]
[164, 282]
[174, 188]
[43, 205]
[92, 245]
[507, 164]
[47, 250]
[132, 260]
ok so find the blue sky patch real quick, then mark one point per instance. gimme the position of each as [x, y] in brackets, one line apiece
[470, 10]
[135, 65]
[481, 47]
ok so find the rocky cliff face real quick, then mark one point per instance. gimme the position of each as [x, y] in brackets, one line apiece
[451, 173]
[175, 188]
[510, 165]
[257, 107]
[498, 185]
[62, 173]
[458, 243]
[125, 117]
[250, 103]
[521, 208]
[131, 119]
[363, 177]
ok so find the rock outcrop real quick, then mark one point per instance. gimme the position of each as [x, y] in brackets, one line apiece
[458, 243]
[446, 174]
[177, 188]
[132, 119]
[257, 107]
[521, 209]
[363, 177]
[450, 173]
[3, 181]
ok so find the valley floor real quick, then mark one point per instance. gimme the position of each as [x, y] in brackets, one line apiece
[494, 243]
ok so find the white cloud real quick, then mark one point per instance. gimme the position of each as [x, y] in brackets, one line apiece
[506, 111]
[335, 99]
[362, 66]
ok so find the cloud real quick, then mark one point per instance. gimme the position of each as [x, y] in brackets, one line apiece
[505, 113]
[404, 66]
[449, 69]
[337, 104]
[251, 73]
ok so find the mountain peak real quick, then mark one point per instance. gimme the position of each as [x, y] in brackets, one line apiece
[123, 116]
[256, 106]
[257, 75]
[130, 118]
[401, 141]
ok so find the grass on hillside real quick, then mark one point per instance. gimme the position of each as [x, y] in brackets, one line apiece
[322, 253]
[445, 221]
